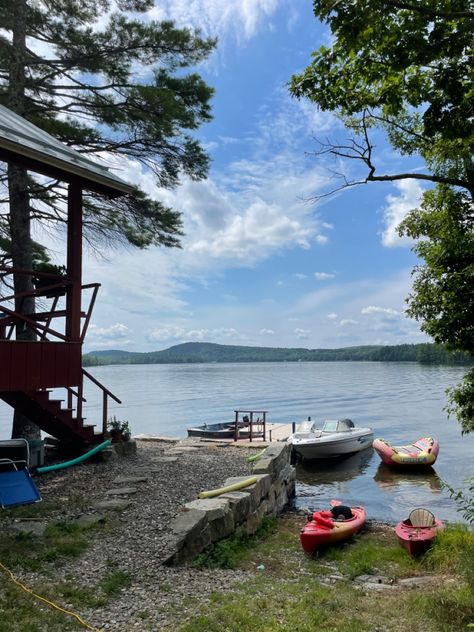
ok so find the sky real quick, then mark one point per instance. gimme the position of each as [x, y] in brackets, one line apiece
[263, 263]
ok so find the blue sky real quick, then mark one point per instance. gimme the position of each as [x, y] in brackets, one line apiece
[261, 264]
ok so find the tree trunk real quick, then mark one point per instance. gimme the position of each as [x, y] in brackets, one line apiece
[20, 221]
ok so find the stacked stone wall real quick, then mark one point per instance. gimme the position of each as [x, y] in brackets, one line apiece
[206, 521]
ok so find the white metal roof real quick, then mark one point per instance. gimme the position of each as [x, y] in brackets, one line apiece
[23, 139]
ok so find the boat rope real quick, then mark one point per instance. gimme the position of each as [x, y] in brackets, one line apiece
[47, 601]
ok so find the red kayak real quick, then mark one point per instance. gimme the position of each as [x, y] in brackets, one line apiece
[417, 533]
[322, 529]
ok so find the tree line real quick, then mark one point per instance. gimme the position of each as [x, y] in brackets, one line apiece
[426, 353]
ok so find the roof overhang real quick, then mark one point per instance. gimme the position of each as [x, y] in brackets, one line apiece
[26, 144]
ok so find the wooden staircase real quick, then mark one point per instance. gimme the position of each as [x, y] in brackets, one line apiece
[51, 417]
[30, 369]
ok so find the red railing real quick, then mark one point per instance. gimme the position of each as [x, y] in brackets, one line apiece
[40, 322]
[51, 298]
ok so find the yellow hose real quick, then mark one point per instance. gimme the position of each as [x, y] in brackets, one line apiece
[229, 488]
[50, 603]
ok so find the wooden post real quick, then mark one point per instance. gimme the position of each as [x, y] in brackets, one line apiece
[236, 430]
[104, 412]
[74, 262]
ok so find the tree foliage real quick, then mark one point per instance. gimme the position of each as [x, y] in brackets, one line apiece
[405, 69]
[113, 85]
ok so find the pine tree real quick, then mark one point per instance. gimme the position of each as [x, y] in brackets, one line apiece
[101, 76]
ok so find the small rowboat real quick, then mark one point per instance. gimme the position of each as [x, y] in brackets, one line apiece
[423, 452]
[417, 533]
[322, 529]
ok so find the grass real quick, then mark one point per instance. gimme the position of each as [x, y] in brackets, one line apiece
[230, 552]
[288, 594]
[115, 581]
[287, 589]
[29, 552]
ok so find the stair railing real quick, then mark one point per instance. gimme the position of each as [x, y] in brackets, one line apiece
[105, 395]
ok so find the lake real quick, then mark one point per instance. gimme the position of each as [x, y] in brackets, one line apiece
[400, 401]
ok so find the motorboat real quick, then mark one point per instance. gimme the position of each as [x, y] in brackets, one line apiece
[330, 527]
[334, 439]
[417, 533]
[421, 453]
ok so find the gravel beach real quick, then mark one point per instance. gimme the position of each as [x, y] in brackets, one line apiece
[136, 540]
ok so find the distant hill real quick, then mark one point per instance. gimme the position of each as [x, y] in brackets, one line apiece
[200, 352]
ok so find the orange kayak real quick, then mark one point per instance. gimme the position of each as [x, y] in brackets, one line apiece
[322, 530]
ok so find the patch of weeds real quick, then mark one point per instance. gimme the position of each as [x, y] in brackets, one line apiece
[452, 609]
[78, 596]
[228, 553]
[143, 614]
[22, 613]
[453, 551]
[371, 554]
[28, 551]
[34, 511]
[114, 582]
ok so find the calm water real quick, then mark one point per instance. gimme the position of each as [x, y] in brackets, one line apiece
[401, 401]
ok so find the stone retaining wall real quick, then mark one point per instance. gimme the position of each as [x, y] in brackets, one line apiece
[205, 521]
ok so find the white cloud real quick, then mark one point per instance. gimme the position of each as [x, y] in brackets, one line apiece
[332, 316]
[114, 331]
[348, 321]
[243, 18]
[324, 276]
[300, 275]
[266, 332]
[372, 309]
[396, 210]
[302, 334]
[175, 333]
[109, 336]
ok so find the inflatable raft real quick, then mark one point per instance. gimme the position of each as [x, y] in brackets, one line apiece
[423, 452]
[322, 529]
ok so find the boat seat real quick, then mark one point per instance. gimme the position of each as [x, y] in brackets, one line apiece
[421, 518]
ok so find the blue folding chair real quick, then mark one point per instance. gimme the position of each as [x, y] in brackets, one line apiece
[16, 485]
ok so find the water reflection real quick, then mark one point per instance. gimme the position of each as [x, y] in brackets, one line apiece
[388, 478]
[333, 470]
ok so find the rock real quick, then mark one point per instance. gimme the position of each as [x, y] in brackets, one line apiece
[416, 582]
[88, 520]
[128, 480]
[112, 505]
[122, 491]
[29, 526]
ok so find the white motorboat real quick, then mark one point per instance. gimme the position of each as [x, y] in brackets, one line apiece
[336, 438]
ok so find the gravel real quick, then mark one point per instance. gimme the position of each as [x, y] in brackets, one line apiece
[137, 540]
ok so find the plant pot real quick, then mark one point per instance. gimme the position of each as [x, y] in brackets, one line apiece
[116, 436]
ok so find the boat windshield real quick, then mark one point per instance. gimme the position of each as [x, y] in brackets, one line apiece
[338, 425]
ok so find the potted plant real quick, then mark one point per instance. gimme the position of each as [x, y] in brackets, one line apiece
[119, 429]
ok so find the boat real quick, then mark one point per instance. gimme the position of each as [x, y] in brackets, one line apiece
[248, 423]
[213, 431]
[334, 439]
[330, 527]
[417, 533]
[421, 453]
